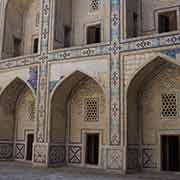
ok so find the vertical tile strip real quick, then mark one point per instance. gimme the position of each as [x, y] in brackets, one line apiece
[41, 125]
[115, 73]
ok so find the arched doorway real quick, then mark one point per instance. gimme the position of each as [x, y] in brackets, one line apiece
[79, 120]
[17, 118]
[153, 117]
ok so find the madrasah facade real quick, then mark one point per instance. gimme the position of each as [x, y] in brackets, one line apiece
[91, 83]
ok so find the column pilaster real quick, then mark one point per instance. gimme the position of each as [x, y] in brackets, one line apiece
[115, 152]
[41, 145]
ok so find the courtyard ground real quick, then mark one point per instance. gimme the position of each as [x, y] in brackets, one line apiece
[21, 171]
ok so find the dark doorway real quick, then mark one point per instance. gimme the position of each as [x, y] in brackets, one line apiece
[17, 47]
[35, 47]
[170, 153]
[92, 149]
[94, 34]
[67, 36]
[167, 21]
[30, 140]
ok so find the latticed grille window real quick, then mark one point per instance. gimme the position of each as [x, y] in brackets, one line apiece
[91, 109]
[169, 105]
[94, 5]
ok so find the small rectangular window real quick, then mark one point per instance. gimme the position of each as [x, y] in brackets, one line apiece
[67, 36]
[94, 34]
[17, 47]
[135, 24]
[35, 46]
[167, 21]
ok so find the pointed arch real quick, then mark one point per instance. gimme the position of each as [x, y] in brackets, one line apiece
[72, 89]
[9, 97]
[160, 59]
[21, 81]
[143, 103]
[77, 75]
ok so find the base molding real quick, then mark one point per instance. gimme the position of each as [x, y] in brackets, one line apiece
[59, 155]
[40, 154]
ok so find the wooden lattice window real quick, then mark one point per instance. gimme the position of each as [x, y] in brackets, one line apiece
[91, 109]
[94, 5]
[169, 105]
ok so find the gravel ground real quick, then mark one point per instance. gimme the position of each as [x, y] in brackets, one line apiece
[21, 171]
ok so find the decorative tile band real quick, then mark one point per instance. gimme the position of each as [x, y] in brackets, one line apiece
[73, 53]
[33, 76]
[100, 50]
[115, 74]
[18, 62]
[172, 53]
[19, 151]
[40, 153]
[45, 25]
[57, 154]
[42, 90]
[74, 154]
[6, 151]
[149, 43]
[114, 159]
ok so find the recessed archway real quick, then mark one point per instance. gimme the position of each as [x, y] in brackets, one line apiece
[77, 109]
[17, 116]
[20, 27]
[152, 102]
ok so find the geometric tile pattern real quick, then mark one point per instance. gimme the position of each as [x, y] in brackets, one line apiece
[6, 151]
[45, 25]
[41, 114]
[115, 73]
[52, 85]
[74, 154]
[91, 108]
[114, 159]
[169, 105]
[172, 53]
[33, 76]
[97, 50]
[152, 42]
[57, 154]
[148, 158]
[94, 5]
[19, 151]
[104, 49]
[18, 62]
[129, 46]
[40, 151]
